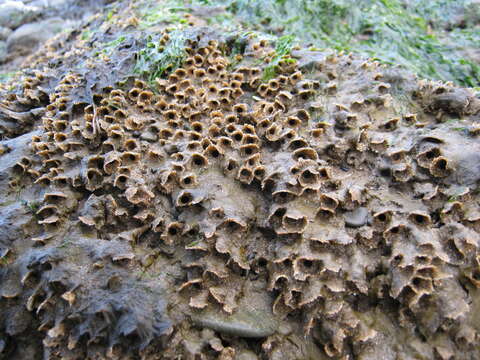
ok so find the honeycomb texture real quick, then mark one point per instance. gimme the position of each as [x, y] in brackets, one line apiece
[337, 198]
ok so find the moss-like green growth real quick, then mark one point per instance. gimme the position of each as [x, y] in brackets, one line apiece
[107, 48]
[236, 45]
[224, 20]
[423, 36]
[31, 207]
[4, 77]
[155, 60]
[154, 13]
[116, 42]
[86, 34]
[283, 47]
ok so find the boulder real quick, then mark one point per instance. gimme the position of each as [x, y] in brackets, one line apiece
[4, 33]
[14, 14]
[28, 37]
[3, 51]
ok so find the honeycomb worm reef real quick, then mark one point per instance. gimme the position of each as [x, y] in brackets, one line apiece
[331, 212]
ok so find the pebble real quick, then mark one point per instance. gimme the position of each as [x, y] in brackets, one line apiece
[246, 355]
[149, 136]
[247, 324]
[357, 217]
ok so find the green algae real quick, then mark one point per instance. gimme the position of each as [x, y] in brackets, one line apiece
[163, 12]
[4, 77]
[420, 35]
[156, 60]
[154, 13]
[283, 48]
[31, 207]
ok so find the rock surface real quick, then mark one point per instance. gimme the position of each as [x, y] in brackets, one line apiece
[27, 38]
[246, 324]
[206, 212]
[356, 218]
[3, 51]
[4, 33]
[15, 13]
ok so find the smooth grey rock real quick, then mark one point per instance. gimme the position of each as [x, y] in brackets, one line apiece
[3, 51]
[28, 37]
[50, 4]
[247, 324]
[15, 13]
[357, 217]
[4, 33]
[17, 148]
[149, 136]
[246, 355]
